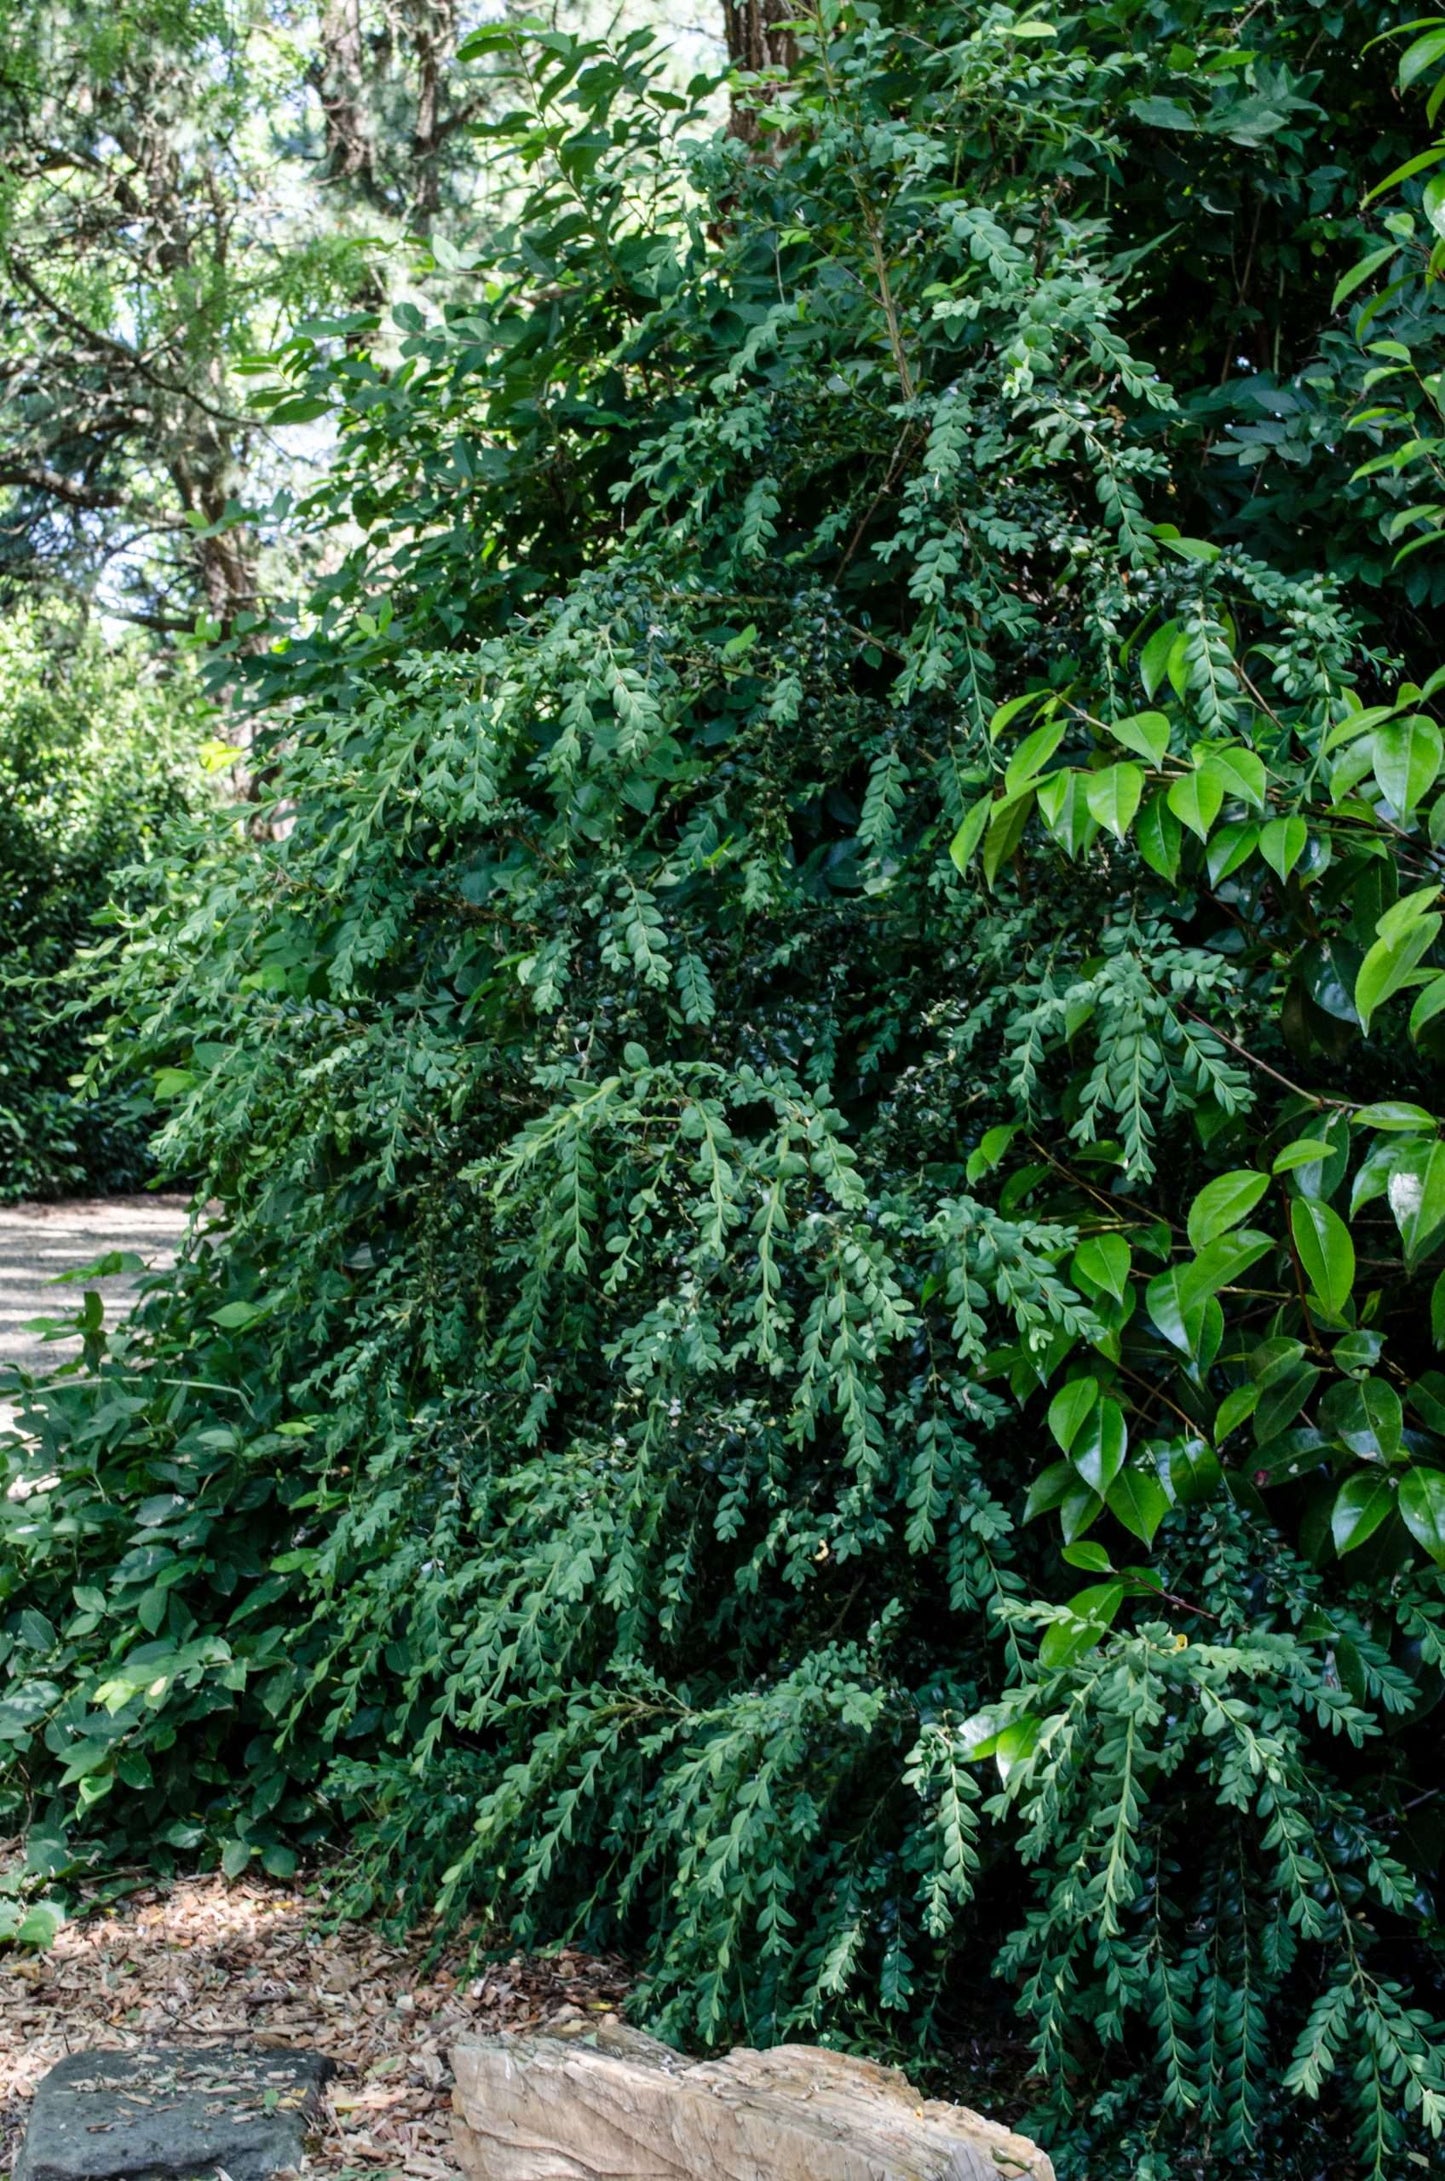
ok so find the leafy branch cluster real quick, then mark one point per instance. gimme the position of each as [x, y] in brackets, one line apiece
[835, 1029]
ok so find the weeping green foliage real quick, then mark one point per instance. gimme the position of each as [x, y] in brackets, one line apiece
[1396, 317]
[825, 1048]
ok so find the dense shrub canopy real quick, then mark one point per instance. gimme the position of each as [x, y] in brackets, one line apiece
[97, 754]
[838, 1032]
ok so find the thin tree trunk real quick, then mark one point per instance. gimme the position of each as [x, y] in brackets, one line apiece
[758, 38]
[433, 28]
[340, 79]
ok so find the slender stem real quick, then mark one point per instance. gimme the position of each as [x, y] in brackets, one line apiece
[1314, 1098]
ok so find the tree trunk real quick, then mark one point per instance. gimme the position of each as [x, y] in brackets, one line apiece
[433, 29]
[758, 39]
[340, 79]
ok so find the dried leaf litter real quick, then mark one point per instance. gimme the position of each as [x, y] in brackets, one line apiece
[207, 1958]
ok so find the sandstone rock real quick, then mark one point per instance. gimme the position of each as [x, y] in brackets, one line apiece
[163, 2114]
[613, 2105]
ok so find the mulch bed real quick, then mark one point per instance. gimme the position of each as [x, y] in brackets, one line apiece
[210, 1959]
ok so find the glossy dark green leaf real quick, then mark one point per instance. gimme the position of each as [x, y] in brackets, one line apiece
[1390, 964]
[1137, 1500]
[1047, 1490]
[1421, 55]
[1221, 1262]
[1195, 1474]
[1364, 1415]
[1394, 1116]
[1241, 773]
[1282, 843]
[1160, 837]
[1016, 1743]
[1224, 1203]
[1358, 1351]
[1428, 1004]
[1064, 807]
[1326, 1251]
[1101, 1262]
[1008, 822]
[1426, 1396]
[1282, 1399]
[1416, 1193]
[1286, 1457]
[1098, 1447]
[1235, 1409]
[1422, 1509]
[1304, 1151]
[1090, 1557]
[1330, 969]
[1070, 1407]
[1156, 659]
[1031, 756]
[1362, 1503]
[1079, 1509]
[1088, 1618]
[1230, 847]
[1178, 1313]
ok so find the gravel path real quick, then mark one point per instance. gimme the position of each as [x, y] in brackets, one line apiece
[37, 1241]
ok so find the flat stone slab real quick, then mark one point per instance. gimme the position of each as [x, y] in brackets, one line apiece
[165, 2113]
[614, 2105]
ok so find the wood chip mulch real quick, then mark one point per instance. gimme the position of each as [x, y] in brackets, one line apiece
[211, 1959]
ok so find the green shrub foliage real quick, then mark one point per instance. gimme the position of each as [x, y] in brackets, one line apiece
[819, 1357]
[97, 754]
[1396, 324]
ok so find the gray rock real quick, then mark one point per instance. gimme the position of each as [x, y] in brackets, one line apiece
[167, 2114]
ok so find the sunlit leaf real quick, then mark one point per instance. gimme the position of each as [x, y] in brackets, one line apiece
[1241, 773]
[1407, 759]
[1006, 827]
[1390, 964]
[1031, 756]
[1145, 733]
[1113, 797]
[1197, 800]
[964, 845]
[1282, 842]
[1088, 1556]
